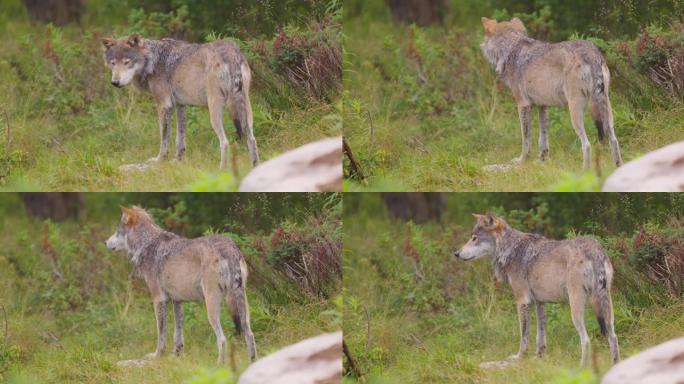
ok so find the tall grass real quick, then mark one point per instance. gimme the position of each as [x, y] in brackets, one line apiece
[424, 111]
[75, 309]
[441, 327]
[69, 129]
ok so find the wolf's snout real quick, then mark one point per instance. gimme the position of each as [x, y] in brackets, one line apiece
[116, 83]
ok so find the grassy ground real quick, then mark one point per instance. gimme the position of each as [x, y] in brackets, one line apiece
[76, 328]
[72, 130]
[439, 330]
[424, 111]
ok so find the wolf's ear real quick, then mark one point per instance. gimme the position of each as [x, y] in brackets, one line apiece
[489, 26]
[134, 41]
[129, 215]
[107, 42]
[490, 219]
[518, 24]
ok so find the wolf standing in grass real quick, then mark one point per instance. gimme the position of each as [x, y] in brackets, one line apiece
[208, 268]
[570, 73]
[179, 74]
[542, 271]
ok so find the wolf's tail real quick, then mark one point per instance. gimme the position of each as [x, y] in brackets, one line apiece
[601, 300]
[601, 110]
[237, 97]
[232, 280]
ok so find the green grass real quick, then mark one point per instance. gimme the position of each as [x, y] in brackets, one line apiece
[440, 329]
[77, 328]
[424, 111]
[75, 133]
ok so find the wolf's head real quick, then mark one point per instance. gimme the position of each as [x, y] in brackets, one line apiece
[483, 240]
[125, 58]
[130, 217]
[498, 38]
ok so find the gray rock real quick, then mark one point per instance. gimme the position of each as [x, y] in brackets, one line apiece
[662, 364]
[314, 167]
[659, 171]
[317, 360]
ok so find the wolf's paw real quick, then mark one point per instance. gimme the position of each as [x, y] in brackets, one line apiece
[152, 356]
[514, 357]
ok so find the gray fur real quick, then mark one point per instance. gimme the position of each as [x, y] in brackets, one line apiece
[177, 269]
[542, 270]
[177, 74]
[569, 73]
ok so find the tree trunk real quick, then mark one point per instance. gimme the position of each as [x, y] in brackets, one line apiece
[58, 12]
[419, 206]
[421, 12]
[57, 206]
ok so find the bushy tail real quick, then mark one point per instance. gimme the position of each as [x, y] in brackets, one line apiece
[602, 303]
[233, 277]
[600, 104]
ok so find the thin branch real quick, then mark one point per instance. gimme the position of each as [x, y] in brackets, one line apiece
[350, 360]
[6, 335]
[9, 134]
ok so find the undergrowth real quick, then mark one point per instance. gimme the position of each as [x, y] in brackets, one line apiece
[74, 308]
[437, 321]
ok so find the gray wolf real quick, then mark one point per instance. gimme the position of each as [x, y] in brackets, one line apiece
[541, 270]
[176, 269]
[177, 74]
[570, 73]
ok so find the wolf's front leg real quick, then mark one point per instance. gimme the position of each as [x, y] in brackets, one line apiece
[524, 113]
[543, 134]
[178, 332]
[541, 329]
[160, 314]
[524, 318]
[165, 113]
[180, 132]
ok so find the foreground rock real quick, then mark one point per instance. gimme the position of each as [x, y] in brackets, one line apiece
[662, 364]
[658, 171]
[314, 167]
[317, 360]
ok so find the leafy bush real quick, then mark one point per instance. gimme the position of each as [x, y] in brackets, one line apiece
[309, 254]
[660, 56]
[658, 252]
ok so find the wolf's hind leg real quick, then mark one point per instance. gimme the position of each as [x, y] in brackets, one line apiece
[578, 299]
[576, 106]
[243, 312]
[178, 330]
[604, 313]
[541, 330]
[213, 303]
[216, 115]
[180, 132]
[543, 134]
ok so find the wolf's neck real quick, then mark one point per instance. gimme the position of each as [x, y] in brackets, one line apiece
[509, 246]
[507, 51]
[142, 243]
[154, 53]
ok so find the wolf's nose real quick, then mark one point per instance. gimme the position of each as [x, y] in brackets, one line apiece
[115, 83]
[456, 254]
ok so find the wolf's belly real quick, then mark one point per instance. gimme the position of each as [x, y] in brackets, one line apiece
[546, 92]
[196, 95]
[182, 284]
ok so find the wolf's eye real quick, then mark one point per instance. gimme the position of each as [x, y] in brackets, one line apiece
[474, 238]
[126, 62]
[111, 62]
